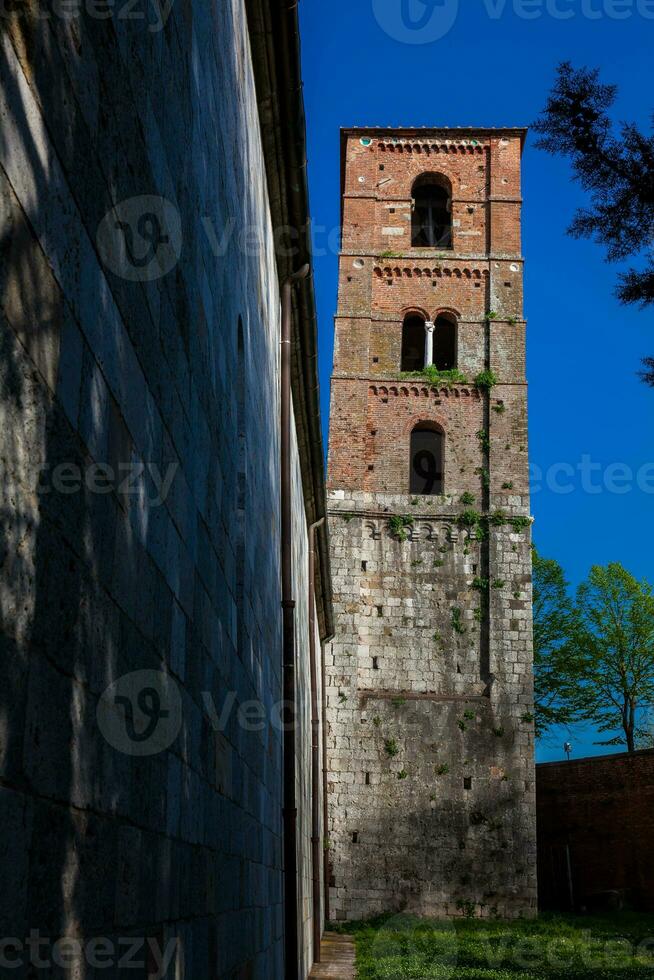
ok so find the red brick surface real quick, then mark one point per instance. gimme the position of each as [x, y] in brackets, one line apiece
[383, 278]
[603, 811]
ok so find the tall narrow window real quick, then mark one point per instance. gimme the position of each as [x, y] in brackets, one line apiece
[413, 343]
[431, 225]
[427, 445]
[445, 343]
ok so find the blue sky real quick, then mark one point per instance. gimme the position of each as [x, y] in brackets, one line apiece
[494, 67]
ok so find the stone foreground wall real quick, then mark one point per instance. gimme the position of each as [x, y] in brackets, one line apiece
[164, 560]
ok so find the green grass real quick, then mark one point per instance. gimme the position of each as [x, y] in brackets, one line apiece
[403, 947]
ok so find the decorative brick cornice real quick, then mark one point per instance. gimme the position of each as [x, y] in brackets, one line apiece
[429, 147]
[422, 389]
[392, 270]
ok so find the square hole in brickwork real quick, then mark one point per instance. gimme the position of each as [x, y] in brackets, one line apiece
[375, 360]
[370, 468]
[477, 285]
[389, 282]
[508, 285]
[391, 210]
[381, 166]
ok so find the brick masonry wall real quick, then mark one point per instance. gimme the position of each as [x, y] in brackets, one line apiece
[430, 738]
[602, 810]
[185, 844]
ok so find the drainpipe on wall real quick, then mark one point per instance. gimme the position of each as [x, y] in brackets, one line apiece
[315, 745]
[325, 777]
[291, 932]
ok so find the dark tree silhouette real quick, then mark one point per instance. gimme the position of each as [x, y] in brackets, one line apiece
[617, 170]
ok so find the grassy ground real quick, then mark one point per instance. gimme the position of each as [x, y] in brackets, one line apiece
[551, 948]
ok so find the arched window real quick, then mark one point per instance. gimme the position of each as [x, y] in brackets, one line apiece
[413, 343]
[445, 342]
[427, 449]
[431, 224]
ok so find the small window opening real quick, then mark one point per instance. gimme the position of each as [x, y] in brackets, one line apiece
[426, 461]
[431, 225]
[364, 566]
[355, 837]
[445, 343]
[367, 779]
[380, 610]
[413, 343]
[467, 783]
[375, 360]
[375, 663]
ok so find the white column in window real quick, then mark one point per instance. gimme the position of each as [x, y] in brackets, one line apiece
[429, 343]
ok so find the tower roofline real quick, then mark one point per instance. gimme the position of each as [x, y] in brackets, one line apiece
[462, 132]
[428, 130]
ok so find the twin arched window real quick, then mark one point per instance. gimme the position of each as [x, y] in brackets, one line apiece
[427, 451]
[419, 350]
[431, 219]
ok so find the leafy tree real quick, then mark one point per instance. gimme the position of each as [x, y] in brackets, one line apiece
[645, 734]
[618, 173]
[610, 660]
[553, 627]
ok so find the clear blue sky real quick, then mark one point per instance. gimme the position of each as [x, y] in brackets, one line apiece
[494, 67]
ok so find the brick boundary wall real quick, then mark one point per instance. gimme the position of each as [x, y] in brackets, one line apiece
[602, 811]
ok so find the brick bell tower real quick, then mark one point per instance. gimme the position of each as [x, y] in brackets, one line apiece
[429, 678]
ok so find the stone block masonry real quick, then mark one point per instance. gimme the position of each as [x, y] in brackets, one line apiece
[140, 488]
[429, 677]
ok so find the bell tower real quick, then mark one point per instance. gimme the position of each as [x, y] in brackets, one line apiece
[429, 697]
